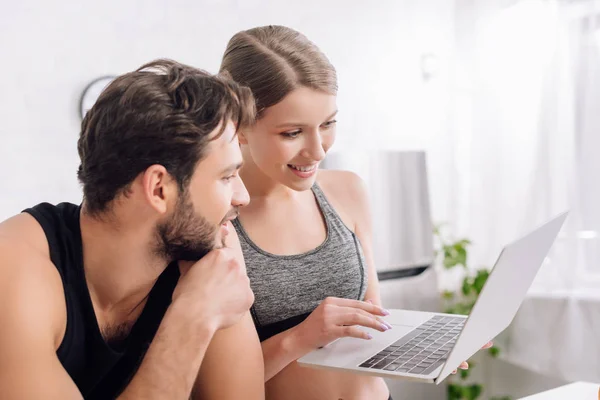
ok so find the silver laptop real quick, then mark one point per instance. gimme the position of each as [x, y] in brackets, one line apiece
[427, 347]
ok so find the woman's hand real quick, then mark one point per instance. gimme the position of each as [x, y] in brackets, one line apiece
[335, 318]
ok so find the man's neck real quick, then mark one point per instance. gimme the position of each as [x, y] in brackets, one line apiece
[120, 268]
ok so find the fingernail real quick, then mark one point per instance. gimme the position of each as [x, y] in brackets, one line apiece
[369, 301]
[385, 312]
[384, 326]
[369, 336]
[388, 325]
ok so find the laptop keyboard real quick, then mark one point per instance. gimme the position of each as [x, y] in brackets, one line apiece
[422, 350]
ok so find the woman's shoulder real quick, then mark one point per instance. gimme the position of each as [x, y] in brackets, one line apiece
[341, 183]
[347, 193]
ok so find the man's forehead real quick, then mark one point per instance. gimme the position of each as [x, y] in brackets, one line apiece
[227, 134]
[222, 153]
[230, 133]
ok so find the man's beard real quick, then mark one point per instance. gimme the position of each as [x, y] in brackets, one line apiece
[186, 236]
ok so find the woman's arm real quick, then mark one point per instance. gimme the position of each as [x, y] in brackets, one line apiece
[348, 194]
[332, 319]
[363, 228]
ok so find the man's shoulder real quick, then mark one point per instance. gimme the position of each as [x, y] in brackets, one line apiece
[23, 229]
[30, 285]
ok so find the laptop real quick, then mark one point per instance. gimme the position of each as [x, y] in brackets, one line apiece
[427, 347]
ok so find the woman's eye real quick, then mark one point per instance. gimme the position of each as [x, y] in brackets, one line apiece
[291, 135]
[329, 124]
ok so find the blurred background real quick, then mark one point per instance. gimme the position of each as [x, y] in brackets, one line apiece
[477, 117]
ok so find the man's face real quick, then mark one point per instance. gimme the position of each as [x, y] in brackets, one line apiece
[200, 220]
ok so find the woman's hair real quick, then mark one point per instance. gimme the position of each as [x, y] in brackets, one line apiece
[274, 60]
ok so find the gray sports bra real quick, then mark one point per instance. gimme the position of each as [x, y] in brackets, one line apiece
[288, 288]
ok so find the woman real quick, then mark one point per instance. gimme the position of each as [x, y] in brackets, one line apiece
[306, 234]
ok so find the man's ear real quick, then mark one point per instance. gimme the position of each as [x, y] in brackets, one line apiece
[159, 187]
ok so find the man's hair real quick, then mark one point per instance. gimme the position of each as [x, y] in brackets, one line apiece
[163, 113]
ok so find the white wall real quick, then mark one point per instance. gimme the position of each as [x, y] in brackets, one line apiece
[51, 50]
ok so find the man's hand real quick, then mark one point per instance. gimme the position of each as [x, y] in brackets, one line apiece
[215, 288]
[465, 365]
[212, 294]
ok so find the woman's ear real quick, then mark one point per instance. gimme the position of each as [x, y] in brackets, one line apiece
[242, 137]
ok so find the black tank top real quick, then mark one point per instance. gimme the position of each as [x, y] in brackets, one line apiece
[99, 371]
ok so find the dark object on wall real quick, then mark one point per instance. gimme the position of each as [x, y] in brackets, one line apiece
[91, 93]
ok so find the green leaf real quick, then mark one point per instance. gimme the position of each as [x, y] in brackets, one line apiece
[450, 310]
[450, 257]
[466, 286]
[494, 351]
[480, 279]
[455, 391]
[460, 309]
[461, 255]
[470, 305]
[448, 295]
[463, 308]
[464, 242]
[464, 373]
[474, 391]
[455, 254]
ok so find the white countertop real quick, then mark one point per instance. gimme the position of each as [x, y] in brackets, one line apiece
[556, 335]
[573, 391]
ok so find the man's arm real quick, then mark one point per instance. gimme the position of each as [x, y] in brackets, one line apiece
[233, 367]
[212, 294]
[33, 315]
[32, 312]
[171, 364]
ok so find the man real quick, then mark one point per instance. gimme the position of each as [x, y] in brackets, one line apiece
[128, 295]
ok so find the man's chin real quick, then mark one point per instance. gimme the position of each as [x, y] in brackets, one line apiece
[190, 255]
[196, 254]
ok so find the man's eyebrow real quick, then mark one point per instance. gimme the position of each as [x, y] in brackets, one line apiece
[232, 168]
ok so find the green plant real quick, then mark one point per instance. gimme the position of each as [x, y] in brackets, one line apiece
[454, 254]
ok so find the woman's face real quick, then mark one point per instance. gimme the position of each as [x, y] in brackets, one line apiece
[292, 137]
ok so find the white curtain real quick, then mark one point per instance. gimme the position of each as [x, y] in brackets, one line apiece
[527, 128]
[527, 146]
